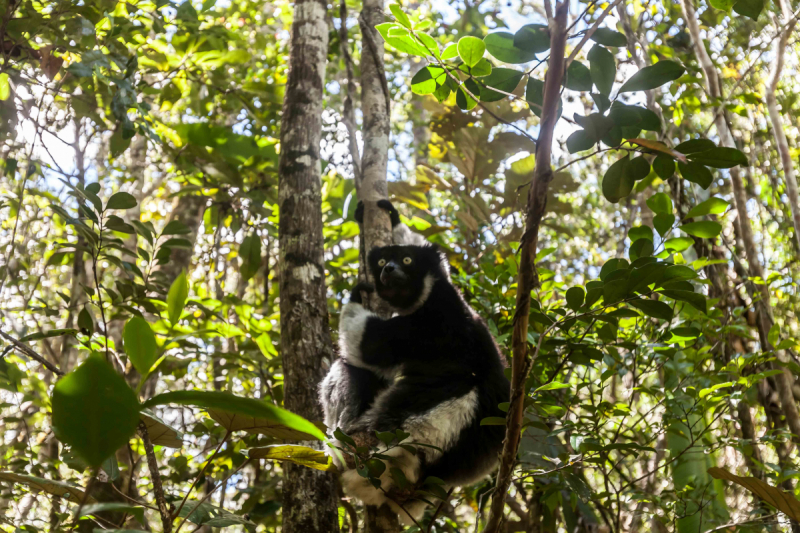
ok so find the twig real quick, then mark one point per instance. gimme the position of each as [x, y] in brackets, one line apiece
[208, 495]
[588, 34]
[158, 489]
[27, 350]
[438, 510]
[199, 474]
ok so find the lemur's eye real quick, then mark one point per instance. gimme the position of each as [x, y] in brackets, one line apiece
[381, 262]
[407, 261]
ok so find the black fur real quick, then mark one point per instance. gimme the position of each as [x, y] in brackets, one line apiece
[442, 350]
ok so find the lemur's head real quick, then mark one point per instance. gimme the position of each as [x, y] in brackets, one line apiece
[405, 274]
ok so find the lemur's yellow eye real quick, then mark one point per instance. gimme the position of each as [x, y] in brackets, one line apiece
[407, 261]
[381, 262]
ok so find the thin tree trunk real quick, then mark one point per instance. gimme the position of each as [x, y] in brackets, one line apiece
[777, 123]
[309, 496]
[763, 306]
[537, 201]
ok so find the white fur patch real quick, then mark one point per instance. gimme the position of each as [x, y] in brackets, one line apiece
[402, 235]
[442, 425]
[352, 324]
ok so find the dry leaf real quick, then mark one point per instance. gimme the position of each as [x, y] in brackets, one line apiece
[785, 502]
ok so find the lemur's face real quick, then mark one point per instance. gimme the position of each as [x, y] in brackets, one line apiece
[399, 272]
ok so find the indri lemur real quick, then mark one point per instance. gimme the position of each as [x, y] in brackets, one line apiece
[432, 370]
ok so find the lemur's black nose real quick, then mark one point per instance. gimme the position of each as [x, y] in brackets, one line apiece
[389, 268]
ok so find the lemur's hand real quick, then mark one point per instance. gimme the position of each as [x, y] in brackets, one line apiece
[383, 204]
[355, 294]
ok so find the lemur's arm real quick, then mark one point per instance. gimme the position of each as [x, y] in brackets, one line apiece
[367, 340]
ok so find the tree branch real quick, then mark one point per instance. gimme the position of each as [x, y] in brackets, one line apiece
[158, 489]
[27, 350]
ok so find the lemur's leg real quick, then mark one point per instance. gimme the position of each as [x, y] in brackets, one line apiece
[346, 393]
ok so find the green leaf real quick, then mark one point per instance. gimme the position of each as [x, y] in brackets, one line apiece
[94, 410]
[602, 68]
[57, 488]
[117, 507]
[505, 79]
[451, 51]
[160, 433]
[176, 297]
[493, 421]
[640, 232]
[653, 76]
[696, 173]
[639, 168]
[553, 385]
[205, 514]
[401, 17]
[617, 181]
[696, 300]
[405, 44]
[427, 80]
[749, 8]
[723, 5]
[578, 77]
[176, 227]
[663, 223]
[140, 344]
[534, 95]
[678, 244]
[693, 146]
[239, 410]
[483, 68]
[579, 141]
[653, 308]
[471, 50]
[660, 203]
[464, 100]
[720, 157]
[616, 289]
[301, 455]
[501, 46]
[121, 200]
[85, 321]
[705, 229]
[712, 206]
[609, 37]
[534, 38]
[664, 166]
[250, 254]
[5, 87]
[640, 248]
[575, 297]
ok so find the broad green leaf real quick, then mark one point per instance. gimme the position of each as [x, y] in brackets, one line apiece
[705, 229]
[785, 502]
[617, 181]
[640, 248]
[749, 8]
[501, 46]
[116, 507]
[493, 421]
[640, 232]
[401, 17]
[603, 69]
[234, 412]
[579, 141]
[553, 385]
[5, 86]
[664, 166]
[56, 488]
[471, 50]
[533, 38]
[161, 433]
[94, 410]
[575, 297]
[660, 203]
[663, 223]
[534, 95]
[616, 289]
[140, 344]
[176, 298]
[451, 51]
[723, 5]
[205, 514]
[712, 206]
[85, 321]
[301, 455]
[504, 79]
[578, 77]
[483, 68]
[653, 308]
[250, 254]
[639, 168]
[696, 173]
[720, 157]
[405, 44]
[176, 227]
[693, 146]
[678, 244]
[121, 200]
[610, 266]
[464, 100]
[696, 300]
[609, 37]
[653, 76]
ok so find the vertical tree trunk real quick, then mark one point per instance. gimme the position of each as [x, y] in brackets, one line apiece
[309, 496]
[537, 202]
[763, 306]
[775, 117]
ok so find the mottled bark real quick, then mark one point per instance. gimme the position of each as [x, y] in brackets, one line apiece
[309, 496]
[777, 123]
[521, 362]
[764, 309]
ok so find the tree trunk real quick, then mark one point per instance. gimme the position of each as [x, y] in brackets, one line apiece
[309, 496]
[537, 201]
[775, 117]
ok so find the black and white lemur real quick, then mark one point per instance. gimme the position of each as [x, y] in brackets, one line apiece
[432, 370]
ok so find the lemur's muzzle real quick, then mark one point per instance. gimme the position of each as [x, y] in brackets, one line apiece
[392, 275]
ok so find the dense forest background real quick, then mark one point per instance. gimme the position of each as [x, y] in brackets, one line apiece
[613, 183]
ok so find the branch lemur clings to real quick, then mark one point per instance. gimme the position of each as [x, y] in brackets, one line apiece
[432, 370]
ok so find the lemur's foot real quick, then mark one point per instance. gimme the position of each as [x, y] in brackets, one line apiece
[383, 204]
[355, 294]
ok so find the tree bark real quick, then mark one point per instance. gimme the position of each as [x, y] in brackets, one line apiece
[309, 496]
[777, 123]
[537, 202]
[756, 269]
